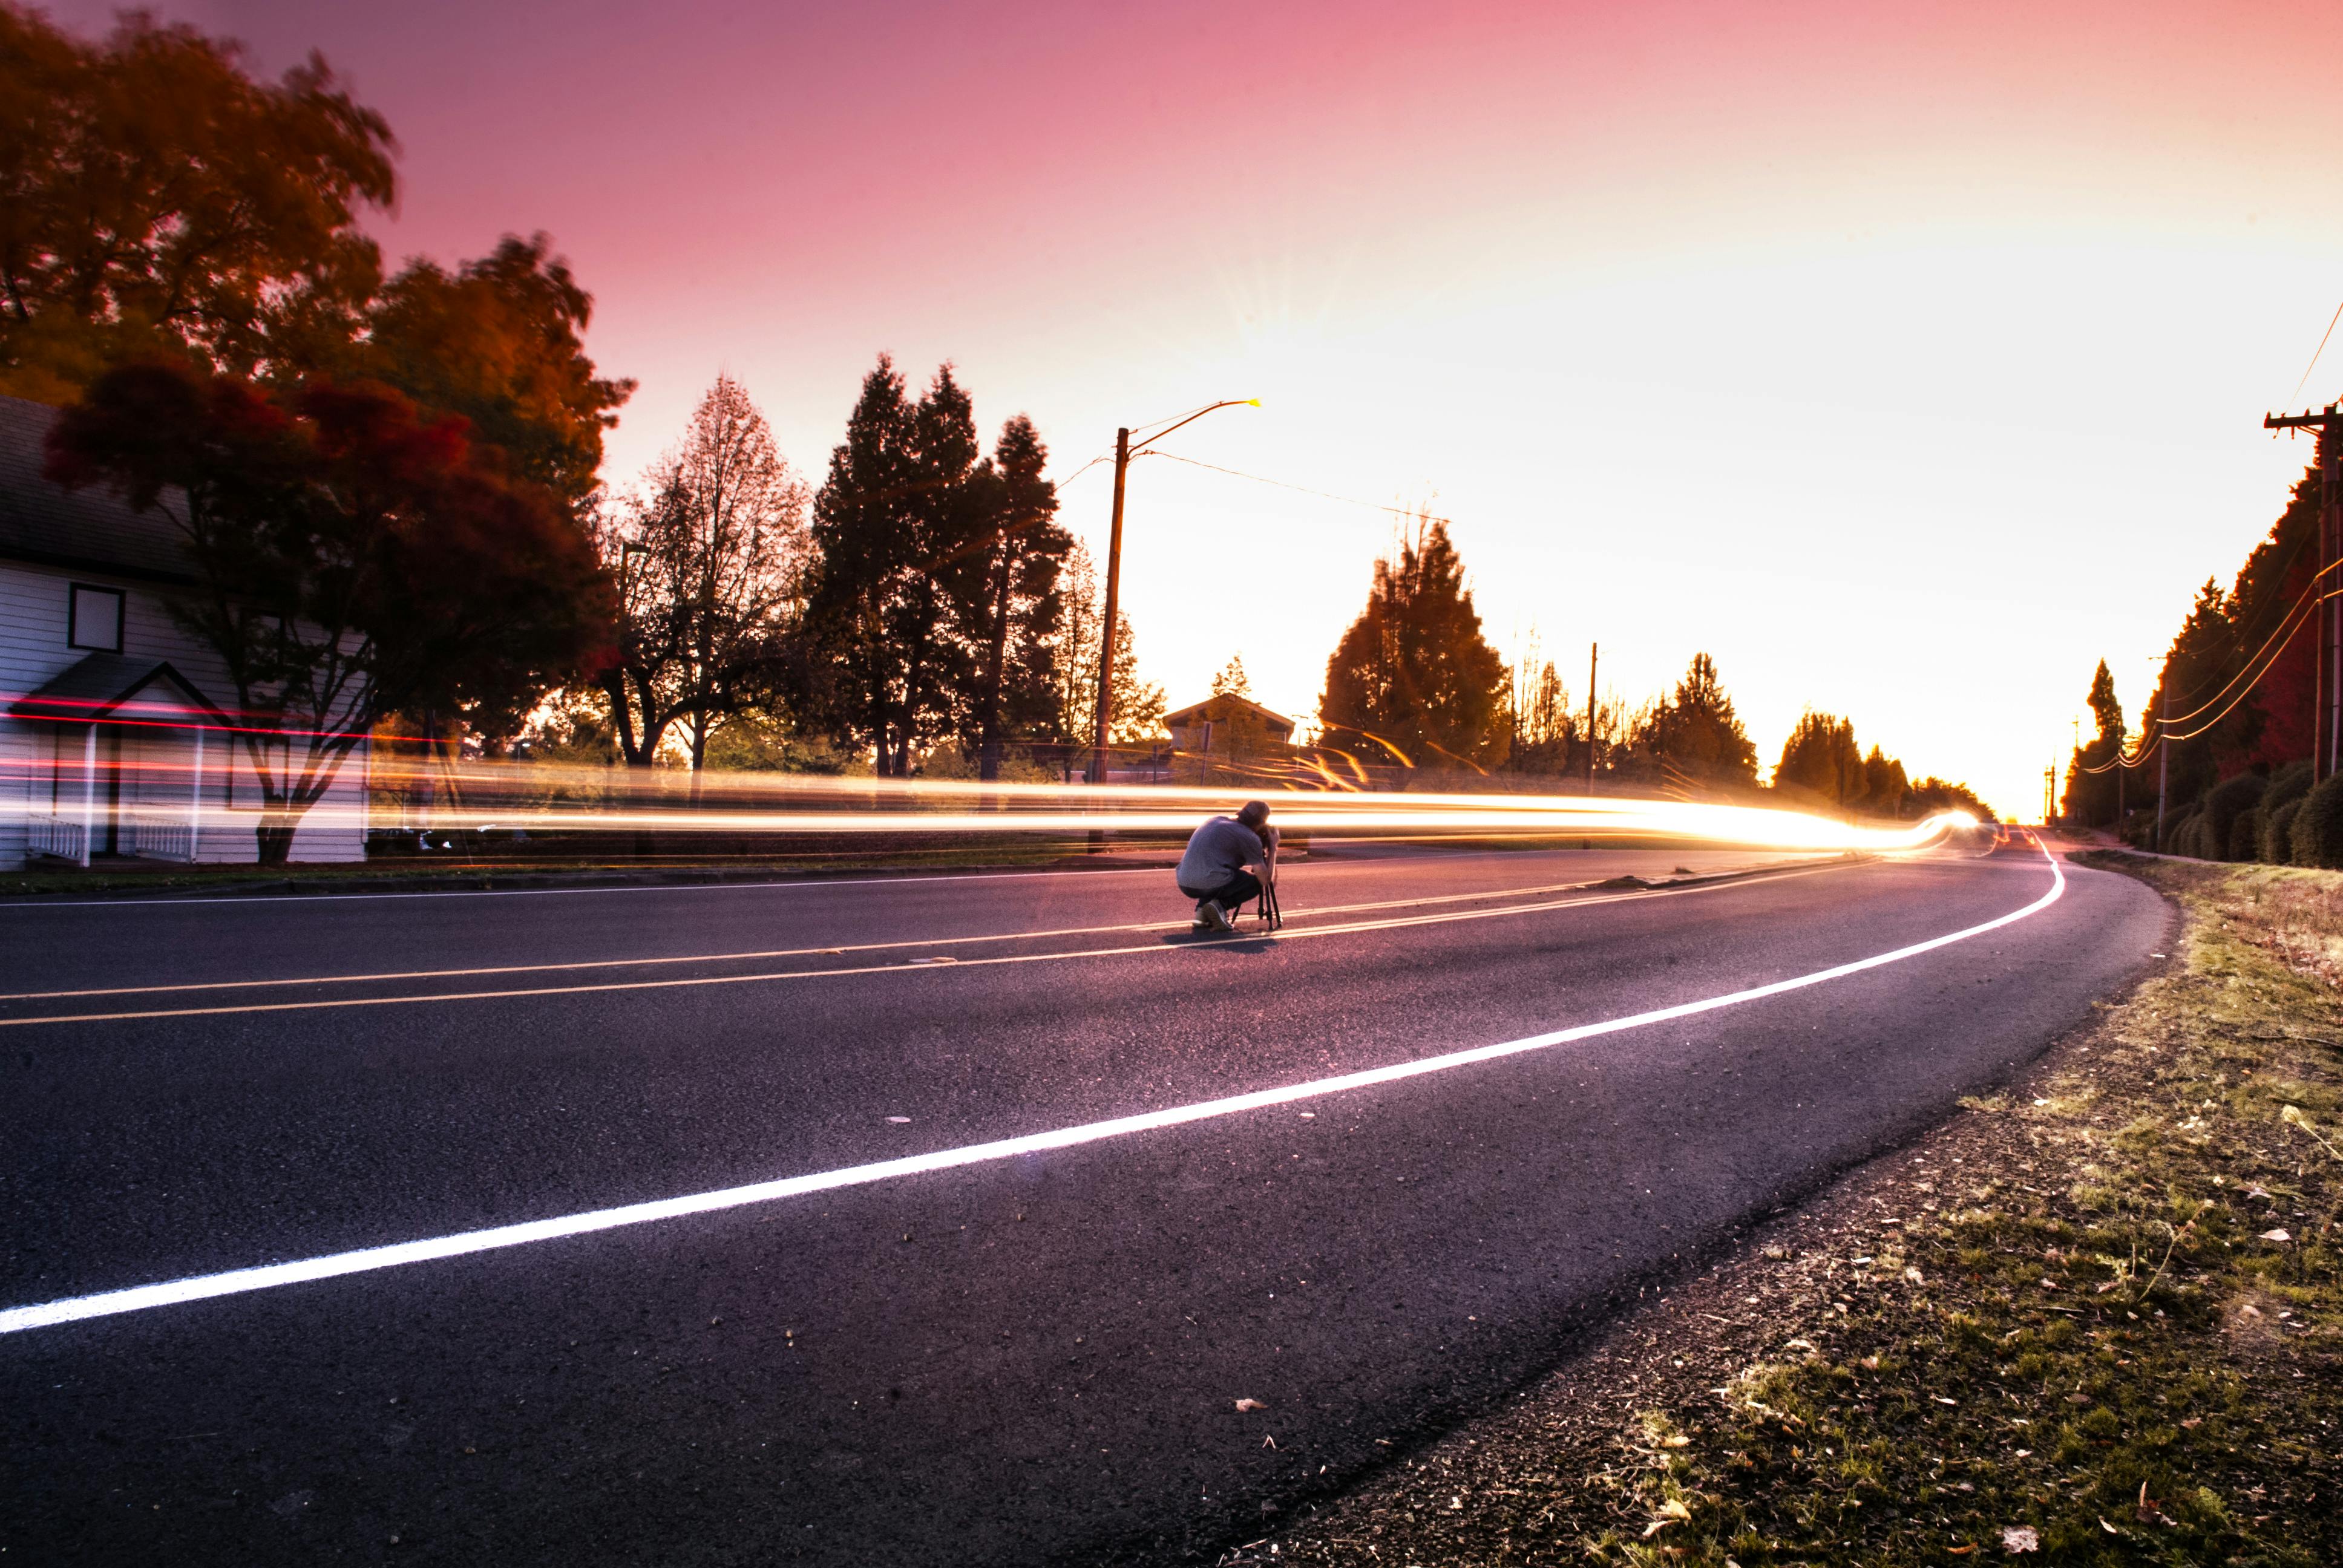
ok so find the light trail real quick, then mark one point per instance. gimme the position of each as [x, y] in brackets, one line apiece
[531, 798]
[272, 1276]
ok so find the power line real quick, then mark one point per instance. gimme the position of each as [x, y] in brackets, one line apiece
[2315, 354]
[1304, 490]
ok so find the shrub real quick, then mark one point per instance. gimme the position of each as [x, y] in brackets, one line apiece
[2277, 833]
[2179, 834]
[2318, 826]
[2246, 835]
[2224, 804]
[2290, 783]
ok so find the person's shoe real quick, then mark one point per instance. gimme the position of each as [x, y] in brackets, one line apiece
[1217, 918]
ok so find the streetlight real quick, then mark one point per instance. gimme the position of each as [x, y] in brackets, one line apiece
[1123, 453]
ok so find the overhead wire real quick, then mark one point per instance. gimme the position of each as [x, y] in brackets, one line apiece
[1304, 490]
[2315, 354]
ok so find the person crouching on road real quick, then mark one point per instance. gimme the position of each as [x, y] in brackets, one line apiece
[1212, 871]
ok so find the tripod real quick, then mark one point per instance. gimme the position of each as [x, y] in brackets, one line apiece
[1266, 908]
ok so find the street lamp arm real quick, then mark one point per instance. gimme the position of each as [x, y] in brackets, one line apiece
[1229, 403]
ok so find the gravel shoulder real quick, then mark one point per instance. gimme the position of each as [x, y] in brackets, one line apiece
[2094, 1317]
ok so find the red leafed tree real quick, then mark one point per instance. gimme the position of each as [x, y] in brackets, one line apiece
[355, 558]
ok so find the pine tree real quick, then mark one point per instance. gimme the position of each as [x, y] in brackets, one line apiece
[1232, 680]
[1027, 555]
[1413, 672]
[900, 526]
[1695, 735]
[1821, 756]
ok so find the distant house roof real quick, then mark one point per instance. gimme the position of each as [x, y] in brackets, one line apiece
[99, 689]
[92, 529]
[1194, 713]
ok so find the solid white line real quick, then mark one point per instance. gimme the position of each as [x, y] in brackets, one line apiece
[202, 1287]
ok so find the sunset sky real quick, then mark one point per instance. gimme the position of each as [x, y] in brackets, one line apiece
[1906, 357]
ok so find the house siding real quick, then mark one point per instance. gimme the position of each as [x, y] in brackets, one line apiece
[33, 601]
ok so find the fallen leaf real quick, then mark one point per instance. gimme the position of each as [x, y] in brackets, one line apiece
[898, 1120]
[1677, 1440]
[1251, 1404]
[2278, 1235]
[2020, 1538]
[1942, 1399]
[2079, 1399]
[2107, 1527]
[2192, 1422]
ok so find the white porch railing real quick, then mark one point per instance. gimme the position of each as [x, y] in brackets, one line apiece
[46, 834]
[156, 835]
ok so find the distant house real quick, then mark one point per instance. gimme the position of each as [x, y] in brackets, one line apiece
[115, 738]
[1227, 727]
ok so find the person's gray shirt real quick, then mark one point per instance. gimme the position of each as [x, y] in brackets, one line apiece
[1217, 851]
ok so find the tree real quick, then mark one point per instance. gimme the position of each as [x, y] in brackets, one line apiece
[155, 198]
[1821, 755]
[1232, 680]
[1885, 784]
[355, 558]
[2197, 666]
[2090, 796]
[499, 342]
[709, 565]
[1695, 734]
[900, 528]
[1414, 671]
[1138, 710]
[1028, 549]
[1932, 795]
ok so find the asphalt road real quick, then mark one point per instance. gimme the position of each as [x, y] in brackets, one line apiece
[1030, 1359]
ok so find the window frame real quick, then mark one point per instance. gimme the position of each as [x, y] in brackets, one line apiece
[121, 598]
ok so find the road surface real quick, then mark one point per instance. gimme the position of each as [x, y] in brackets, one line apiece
[1018, 1356]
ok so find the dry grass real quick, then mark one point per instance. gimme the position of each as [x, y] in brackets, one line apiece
[2103, 1309]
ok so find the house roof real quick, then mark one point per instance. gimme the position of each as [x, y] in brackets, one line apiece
[99, 689]
[92, 529]
[1194, 712]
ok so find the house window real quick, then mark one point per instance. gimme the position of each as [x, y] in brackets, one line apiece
[95, 618]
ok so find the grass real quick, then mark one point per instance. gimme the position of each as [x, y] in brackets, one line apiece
[2094, 1321]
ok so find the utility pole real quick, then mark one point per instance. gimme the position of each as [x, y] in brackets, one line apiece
[1592, 650]
[2327, 711]
[2163, 762]
[2051, 795]
[1113, 594]
[1123, 453]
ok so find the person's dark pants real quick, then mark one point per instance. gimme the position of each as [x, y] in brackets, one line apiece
[1233, 894]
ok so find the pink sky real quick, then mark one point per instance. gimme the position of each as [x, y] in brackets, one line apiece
[1908, 357]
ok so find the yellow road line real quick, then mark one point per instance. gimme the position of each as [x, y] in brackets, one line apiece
[324, 1003]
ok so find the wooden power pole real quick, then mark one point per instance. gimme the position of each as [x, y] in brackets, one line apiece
[1592, 650]
[1113, 604]
[2326, 704]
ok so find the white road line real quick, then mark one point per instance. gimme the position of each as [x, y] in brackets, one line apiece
[202, 1287]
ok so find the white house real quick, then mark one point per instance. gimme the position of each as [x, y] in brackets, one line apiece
[116, 737]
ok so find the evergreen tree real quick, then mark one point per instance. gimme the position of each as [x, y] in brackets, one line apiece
[1695, 735]
[2091, 797]
[1884, 784]
[1139, 708]
[1014, 683]
[1232, 680]
[901, 528]
[1821, 756]
[1414, 671]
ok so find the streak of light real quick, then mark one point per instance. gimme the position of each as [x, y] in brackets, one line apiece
[271, 1276]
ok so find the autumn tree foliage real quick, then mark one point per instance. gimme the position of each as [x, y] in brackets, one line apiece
[356, 557]
[1413, 674]
[154, 197]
